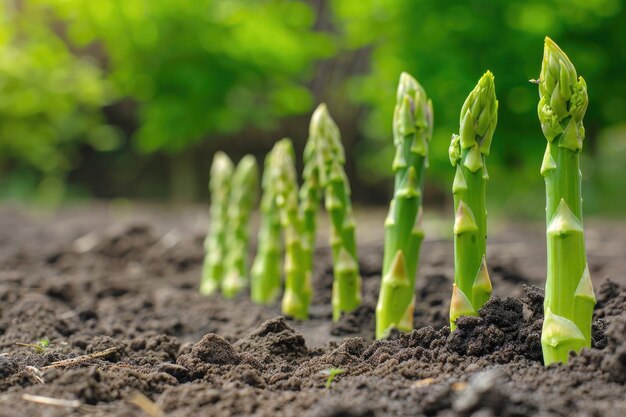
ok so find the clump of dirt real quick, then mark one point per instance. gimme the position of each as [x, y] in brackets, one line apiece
[500, 330]
[210, 356]
[273, 340]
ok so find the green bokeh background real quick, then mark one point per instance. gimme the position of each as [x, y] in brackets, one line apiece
[131, 98]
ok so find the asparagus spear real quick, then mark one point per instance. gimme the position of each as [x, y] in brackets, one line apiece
[412, 130]
[265, 283]
[310, 194]
[569, 299]
[214, 243]
[479, 116]
[298, 290]
[242, 198]
[346, 294]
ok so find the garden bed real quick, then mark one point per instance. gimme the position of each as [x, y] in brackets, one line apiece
[125, 292]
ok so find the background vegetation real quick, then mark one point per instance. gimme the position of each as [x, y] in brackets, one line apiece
[110, 98]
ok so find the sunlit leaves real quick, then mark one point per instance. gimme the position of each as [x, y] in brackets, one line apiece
[194, 68]
[446, 45]
[50, 99]
[203, 67]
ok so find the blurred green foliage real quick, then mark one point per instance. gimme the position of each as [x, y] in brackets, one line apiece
[201, 66]
[448, 45]
[194, 70]
[49, 101]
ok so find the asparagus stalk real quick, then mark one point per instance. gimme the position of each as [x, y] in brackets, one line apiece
[479, 116]
[298, 290]
[242, 198]
[310, 194]
[265, 283]
[569, 299]
[215, 243]
[346, 295]
[412, 130]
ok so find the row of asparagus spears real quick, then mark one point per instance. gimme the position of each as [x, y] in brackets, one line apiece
[288, 219]
[289, 213]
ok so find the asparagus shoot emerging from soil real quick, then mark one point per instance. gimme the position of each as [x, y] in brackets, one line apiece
[479, 116]
[412, 130]
[215, 242]
[569, 299]
[310, 194]
[346, 294]
[298, 291]
[242, 199]
[265, 274]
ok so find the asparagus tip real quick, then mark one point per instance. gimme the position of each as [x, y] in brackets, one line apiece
[488, 79]
[407, 86]
[221, 161]
[549, 43]
[479, 115]
[320, 116]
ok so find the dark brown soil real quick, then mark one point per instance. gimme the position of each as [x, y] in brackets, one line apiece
[90, 281]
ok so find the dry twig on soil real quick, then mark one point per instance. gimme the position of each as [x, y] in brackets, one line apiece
[80, 359]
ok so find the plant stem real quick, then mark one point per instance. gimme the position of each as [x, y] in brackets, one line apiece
[478, 121]
[309, 200]
[412, 130]
[569, 297]
[242, 198]
[215, 241]
[266, 275]
[346, 295]
[298, 290]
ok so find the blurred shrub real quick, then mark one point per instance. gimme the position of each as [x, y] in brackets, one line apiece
[608, 171]
[448, 45]
[202, 66]
[182, 71]
[50, 101]
[195, 67]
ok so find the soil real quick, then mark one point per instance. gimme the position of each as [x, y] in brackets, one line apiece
[122, 288]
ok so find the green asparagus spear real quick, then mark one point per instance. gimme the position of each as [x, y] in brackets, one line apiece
[569, 299]
[214, 244]
[347, 281]
[310, 194]
[412, 130]
[298, 290]
[242, 198]
[265, 284]
[478, 120]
